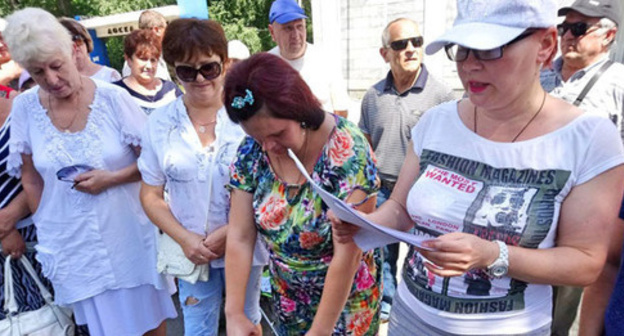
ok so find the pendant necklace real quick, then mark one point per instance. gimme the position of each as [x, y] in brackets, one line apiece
[523, 128]
[201, 127]
[64, 129]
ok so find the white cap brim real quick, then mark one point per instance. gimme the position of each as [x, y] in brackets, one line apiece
[475, 35]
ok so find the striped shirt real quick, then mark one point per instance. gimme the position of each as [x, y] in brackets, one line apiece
[389, 116]
[168, 92]
[9, 186]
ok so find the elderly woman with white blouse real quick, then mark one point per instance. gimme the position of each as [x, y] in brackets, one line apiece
[75, 142]
[187, 149]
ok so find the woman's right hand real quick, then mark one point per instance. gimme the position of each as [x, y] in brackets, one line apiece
[7, 224]
[195, 250]
[240, 325]
[342, 232]
[13, 244]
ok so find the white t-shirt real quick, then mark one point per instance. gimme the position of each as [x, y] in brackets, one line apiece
[88, 244]
[323, 76]
[173, 156]
[499, 191]
[107, 74]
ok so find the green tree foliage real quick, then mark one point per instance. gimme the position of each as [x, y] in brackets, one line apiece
[85, 8]
[245, 20]
[248, 21]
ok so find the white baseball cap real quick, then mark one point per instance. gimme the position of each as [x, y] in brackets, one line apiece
[238, 50]
[488, 24]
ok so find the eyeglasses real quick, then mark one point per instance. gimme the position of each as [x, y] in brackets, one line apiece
[79, 40]
[188, 74]
[399, 45]
[577, 29]
[458, 53]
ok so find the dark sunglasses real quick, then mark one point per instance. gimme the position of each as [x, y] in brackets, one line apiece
[188, 74]
[577, 29]
[458, 53]
[399, 45]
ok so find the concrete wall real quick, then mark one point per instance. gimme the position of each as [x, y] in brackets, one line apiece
[354, 36]
[362, 22]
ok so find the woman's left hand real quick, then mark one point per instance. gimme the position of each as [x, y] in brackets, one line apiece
[94, 182]
[13, 244]
[215, 242]
[342, 232]
[456, 253]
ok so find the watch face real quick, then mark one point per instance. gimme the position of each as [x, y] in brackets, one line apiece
[499, 271]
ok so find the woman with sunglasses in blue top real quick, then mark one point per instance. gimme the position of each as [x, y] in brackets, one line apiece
[187, 148]
[513, 189]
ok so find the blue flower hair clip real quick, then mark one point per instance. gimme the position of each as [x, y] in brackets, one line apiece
[239, 102]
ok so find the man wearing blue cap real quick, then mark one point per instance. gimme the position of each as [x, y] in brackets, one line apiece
[584, 76]
[288, 30]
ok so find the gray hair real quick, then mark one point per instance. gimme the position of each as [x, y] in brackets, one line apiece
[607, 24]
[385, 35]
[34, 35]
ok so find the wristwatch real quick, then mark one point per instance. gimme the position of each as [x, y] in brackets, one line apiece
[500, 266]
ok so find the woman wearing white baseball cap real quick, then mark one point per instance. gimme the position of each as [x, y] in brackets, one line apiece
[514, 188]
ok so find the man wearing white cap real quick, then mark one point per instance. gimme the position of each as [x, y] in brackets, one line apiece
[237, 51]
[323, 75]
[585, 76]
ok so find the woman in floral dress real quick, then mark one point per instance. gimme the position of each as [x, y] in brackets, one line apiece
[319, 286]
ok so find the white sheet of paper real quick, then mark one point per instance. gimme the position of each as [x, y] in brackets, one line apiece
[370, 235]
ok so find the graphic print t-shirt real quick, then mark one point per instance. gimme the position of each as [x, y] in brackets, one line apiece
[498, 191]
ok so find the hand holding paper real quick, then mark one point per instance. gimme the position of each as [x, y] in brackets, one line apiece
[370, 235]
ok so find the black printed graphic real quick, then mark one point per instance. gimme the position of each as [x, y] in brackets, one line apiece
[516, 206]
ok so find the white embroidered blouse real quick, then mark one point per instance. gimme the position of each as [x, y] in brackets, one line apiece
[194, 176]
[87, 243]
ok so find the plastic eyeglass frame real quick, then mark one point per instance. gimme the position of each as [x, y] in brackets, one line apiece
[483, 55]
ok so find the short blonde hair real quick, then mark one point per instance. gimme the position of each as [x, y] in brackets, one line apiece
[151, 19]
[34, 35]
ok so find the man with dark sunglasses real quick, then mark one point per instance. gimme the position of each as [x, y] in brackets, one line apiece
[390, 109]
[586, 36]
[321, 72]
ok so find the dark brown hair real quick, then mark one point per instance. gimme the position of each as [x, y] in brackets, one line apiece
[76, 29]
[143, 43]
[273, 83]
[188, 38]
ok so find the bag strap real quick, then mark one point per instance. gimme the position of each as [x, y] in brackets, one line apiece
[10, 302]
[591, 82]
[212, 164]
[9, 299]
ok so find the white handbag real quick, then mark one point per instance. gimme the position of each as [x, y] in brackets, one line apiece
[171, 259]
[49, 320]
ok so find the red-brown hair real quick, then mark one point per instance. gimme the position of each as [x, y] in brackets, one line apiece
[273, 83]
[143, 43]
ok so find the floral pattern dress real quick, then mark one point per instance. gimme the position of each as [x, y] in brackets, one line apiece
[298, 233]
